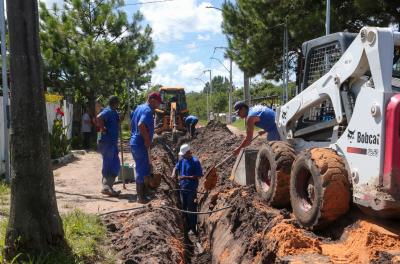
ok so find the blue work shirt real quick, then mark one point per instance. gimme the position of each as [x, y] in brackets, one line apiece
[267, 120]
[111, 123]
[191, 120]
[189, 167]
[143, 114]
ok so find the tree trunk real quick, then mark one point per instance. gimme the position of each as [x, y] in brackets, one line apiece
[35, 225]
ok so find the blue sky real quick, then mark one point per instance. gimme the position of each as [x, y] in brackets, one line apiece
[185, 33]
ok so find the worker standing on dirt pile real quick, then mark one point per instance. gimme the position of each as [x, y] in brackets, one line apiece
[190, 123]
[142, 132]
[188, 170]
[259, 116]
[108, 123]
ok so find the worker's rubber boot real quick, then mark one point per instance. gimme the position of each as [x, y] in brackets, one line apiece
[147, 190]
[141, 198]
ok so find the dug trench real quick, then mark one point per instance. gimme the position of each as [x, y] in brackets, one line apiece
[248, 230]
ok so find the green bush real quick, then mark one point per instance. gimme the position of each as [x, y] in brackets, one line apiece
[60, 145]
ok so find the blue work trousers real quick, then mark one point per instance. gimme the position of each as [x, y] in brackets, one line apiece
[140, 155]
[111, 163]
[188, 204]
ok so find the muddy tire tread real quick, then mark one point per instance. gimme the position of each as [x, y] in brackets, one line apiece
[334, 180]
[283, 156]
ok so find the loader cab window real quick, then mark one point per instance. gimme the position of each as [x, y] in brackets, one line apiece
[173, 96]
[396, 71]
[321, 61]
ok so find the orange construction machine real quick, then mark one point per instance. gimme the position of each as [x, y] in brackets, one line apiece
[170, 115]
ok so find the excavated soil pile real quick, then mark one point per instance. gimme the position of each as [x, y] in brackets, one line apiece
[153, 234]
[252, 232]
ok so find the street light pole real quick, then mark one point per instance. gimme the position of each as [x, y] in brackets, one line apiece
[230, 83]
[328, 17]
[6, 124]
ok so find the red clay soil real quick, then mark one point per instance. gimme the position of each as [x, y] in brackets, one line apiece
[151, 235]
[252, 232]
[247, 232]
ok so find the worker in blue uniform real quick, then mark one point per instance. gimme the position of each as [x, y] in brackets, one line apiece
[259, 116]
[108, 123]
[190, 123]
[188, 170]
[142, 132]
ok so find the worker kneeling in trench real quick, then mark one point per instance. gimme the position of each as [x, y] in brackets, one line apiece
[188, 170]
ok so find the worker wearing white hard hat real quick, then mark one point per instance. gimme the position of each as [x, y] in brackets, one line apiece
[188, 170]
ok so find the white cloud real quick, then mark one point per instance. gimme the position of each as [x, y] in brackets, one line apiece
[190, 70]
[49, 3]
[204, 37]
[192, 47]
[165, 60]
[173, 20]
[237, 74]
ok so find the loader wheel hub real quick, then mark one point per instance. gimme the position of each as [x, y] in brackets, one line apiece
[266, 177]
[305, 189]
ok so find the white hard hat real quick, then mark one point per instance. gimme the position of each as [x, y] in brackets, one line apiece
[184, 149]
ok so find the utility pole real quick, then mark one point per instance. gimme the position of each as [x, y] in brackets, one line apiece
[285, 78]
[6, 120]
[328, 17]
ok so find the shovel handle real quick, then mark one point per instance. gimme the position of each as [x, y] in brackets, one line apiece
[230, 156]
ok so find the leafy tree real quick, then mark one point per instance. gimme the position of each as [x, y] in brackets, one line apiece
[219, 84]
[197, 104]
[255, 33]
[90, 49]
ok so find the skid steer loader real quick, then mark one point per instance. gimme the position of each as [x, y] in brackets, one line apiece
[340, 133]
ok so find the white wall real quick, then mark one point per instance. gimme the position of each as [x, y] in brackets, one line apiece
[51, 115]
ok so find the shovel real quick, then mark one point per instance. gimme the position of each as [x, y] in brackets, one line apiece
[212, 174]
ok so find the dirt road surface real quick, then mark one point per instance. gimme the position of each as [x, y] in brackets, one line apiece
[78, 186]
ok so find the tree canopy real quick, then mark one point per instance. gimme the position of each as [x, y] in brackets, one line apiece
[91, 49]
[255, 32]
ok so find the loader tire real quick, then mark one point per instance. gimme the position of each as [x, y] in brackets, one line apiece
[273, 166]
[319, 188]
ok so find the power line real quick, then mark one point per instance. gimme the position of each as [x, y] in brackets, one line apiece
[149, 2]
[132, 4]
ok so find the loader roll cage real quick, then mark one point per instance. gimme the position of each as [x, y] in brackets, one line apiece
[317, 58]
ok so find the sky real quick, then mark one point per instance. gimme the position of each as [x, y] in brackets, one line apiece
[185, 33]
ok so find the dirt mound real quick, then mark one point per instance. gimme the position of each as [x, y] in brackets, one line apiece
[252, 232]
[153, 234]
[246, 230]
[366, 242]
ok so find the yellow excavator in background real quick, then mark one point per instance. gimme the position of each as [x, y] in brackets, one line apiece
[170, 115]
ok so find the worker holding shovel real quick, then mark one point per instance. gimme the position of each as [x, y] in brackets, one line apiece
[188, 169]
[259, 116]
[142, 132]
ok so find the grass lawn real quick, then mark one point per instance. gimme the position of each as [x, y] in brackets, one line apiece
[84, 233]
[202, 122]
[239, 124]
